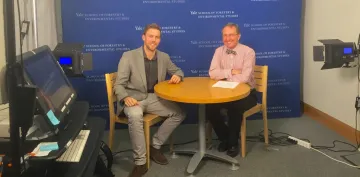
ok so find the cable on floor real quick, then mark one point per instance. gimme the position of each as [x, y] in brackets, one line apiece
[335, 159]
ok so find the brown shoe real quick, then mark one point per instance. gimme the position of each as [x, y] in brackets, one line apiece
[157, 156]
[138, 171]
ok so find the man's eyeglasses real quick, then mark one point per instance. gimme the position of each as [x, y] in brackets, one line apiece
[229, 35]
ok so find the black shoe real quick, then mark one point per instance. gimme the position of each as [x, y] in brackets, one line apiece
[233, 151]
[223, 146]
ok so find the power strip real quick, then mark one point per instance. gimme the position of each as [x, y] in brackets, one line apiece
[301, 142]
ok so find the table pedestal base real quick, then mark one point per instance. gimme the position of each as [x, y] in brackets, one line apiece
[198, 156]
[202, 151]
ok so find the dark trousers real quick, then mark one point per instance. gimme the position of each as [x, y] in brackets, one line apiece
[235, 110]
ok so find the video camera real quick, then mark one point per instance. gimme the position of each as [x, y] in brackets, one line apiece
[336, 53]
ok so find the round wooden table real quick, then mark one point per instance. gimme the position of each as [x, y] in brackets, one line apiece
[199, 90]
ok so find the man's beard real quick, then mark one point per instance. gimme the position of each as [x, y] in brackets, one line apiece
[149, 48]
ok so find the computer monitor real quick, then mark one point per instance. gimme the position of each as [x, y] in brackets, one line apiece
[55, 94]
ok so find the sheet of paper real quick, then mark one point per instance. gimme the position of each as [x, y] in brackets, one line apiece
[49, 146]
[38, 152]
[42, 153]
[226, 84]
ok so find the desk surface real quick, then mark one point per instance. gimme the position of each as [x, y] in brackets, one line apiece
[199, 90]
[86, 166]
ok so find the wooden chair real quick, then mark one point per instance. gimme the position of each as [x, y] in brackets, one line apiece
[149, 119]
[261, 78]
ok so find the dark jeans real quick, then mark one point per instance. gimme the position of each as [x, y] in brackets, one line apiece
[235, 111]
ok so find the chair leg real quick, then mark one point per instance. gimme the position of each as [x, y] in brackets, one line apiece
[208, 134]
[266, 130]
[243, 137]
[111, 133]
[147, 139]
[171, 141]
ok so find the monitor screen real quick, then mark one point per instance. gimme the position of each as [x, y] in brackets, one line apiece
[55, 93]
[348, 50]
[65, 60]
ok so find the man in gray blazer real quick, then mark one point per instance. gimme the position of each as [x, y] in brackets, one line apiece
[139, 71]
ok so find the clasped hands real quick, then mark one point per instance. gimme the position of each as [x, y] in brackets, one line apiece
[235, 71]
[129, 101]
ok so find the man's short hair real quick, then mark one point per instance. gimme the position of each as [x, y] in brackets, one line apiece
[233, 25]
[151, 26]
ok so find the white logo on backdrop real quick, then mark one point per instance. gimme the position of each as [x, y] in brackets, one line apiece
[103, 16]
[164, 1]
[272, 54]
[278, 109]
[229, 14]
[99, 107]
[266, 26]
[177, 59]
[207, 44]
[105, 47]
[278, 82]
[201, 73]
[165, 29]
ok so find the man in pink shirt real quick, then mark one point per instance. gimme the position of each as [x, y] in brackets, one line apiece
[231, 62]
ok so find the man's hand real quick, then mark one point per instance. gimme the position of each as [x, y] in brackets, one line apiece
[129, 101]
[235, 71]
[175, 79]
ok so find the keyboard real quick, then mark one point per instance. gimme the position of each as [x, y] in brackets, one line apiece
[75, 150]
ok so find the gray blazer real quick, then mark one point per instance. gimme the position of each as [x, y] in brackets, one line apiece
[131, 78]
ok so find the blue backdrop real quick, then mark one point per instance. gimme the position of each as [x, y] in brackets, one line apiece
[191, 33]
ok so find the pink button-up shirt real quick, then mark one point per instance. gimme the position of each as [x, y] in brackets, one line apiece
[244, 60]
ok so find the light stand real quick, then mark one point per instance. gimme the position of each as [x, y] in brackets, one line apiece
[22, 98]
[10, 54]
